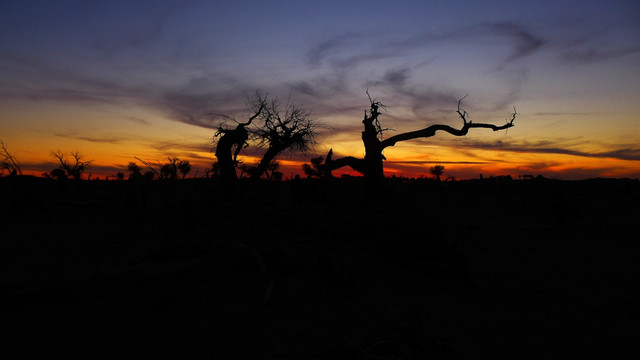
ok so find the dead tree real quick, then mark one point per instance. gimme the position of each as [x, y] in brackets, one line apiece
[8, 161]
[374, 143]
[292, 128]
[272, 127]
[73, 168]
[237, 137]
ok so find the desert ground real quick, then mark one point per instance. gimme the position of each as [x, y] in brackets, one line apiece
[320, 269]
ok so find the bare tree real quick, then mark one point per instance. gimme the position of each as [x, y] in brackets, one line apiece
[8, 162]
[374, 143]
[238, 137]
[273, 127]
[75, 167]
[281, 128]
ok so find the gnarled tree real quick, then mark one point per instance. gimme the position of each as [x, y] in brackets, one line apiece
[371, 166]
[237, 137]
[292, 128]
[273, 127]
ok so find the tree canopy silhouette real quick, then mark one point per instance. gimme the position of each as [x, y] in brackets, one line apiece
[273, 127]
[437, 171]
[372, 164]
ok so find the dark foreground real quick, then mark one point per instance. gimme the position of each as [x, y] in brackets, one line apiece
[534, 269]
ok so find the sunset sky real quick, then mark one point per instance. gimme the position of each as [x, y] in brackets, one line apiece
[117, 80]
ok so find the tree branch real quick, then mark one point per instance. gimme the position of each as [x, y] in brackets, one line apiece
[350, 161]
[431, 130]
[9, 161]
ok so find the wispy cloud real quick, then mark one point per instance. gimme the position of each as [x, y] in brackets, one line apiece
[621, 152]
[333, 46]
[524, 42]
[592, 54]
[181, 146]
[93, 139]
[137, 120]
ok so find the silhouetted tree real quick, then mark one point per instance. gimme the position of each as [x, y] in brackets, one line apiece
[8, 162]
[135, 171]
[75, 167]
[315, 168]
[272, 172]
[437, 170]
[291, 128]
[184, 167]
[246, 170]
[58, 174]
[151, 172]
[170, 169]
[274, 127]
[237, 137]
[374, 143]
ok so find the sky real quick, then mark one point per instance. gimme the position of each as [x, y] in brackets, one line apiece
[117, 80]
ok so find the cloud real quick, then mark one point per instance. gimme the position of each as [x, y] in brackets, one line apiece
[324, 49]
[183, 146]
[623, 152]
[93, 139]
[419, 163]
[137, 120]
[346, 53]
[523, 41]
[592, 54]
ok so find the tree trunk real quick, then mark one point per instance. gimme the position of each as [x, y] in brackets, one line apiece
[373, 157]
[268, 156]
[225, 161]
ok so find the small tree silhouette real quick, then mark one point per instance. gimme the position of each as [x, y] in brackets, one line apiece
[315, 168]
[166, 171]
[184, 167]
[170, 169]
[8, 162]
[135, 171]
[73, 168]
[272, 172]
[58, 174]
[437, 171]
